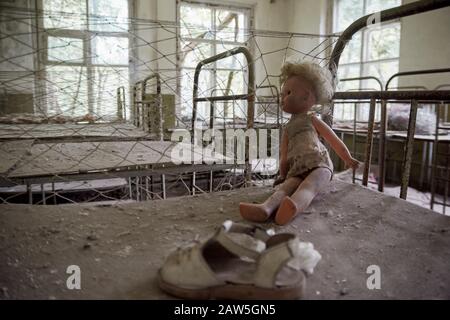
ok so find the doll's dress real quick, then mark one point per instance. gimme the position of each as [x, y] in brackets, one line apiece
[305, 150]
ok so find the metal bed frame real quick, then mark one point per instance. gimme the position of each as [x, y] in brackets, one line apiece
[121, 103]
[141, 106]
[384, 96]
[249, 97]
[433, 139]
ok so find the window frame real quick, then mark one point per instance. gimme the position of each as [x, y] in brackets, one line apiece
[85, 35]
[364, 61]
[246, 10]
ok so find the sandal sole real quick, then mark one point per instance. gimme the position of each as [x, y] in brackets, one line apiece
[235, 291]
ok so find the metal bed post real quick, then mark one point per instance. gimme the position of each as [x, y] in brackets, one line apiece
[121, 103]
[369, 142]
[414, 96]
[385, 15]
[434, 161]
[354, 139]
[54, 193]
[136, 105]
[250, 96]
[43, 194]
[408, 150]
[29, 193]
[163, 185]
[370, 132]
[409, 144]
[146, 103]
[434, 175]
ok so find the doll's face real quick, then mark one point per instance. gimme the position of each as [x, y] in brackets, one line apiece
[297, 95]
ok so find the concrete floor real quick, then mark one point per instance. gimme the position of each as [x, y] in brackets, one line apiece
[119, 248]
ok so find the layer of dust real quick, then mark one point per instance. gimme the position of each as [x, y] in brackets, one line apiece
[420, 198]
[120, 248]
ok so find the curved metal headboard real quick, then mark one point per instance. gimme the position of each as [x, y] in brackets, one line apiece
[160, 134]
[250, 96]
[385, 15]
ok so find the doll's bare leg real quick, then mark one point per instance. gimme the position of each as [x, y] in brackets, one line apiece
[302, 197]
[261, 212]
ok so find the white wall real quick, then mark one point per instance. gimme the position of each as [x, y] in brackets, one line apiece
[267, 15]
[425, 44]
[309, 16]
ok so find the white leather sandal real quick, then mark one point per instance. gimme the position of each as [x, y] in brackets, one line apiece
[239, 261]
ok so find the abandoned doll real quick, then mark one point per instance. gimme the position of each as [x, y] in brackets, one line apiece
[305, 165]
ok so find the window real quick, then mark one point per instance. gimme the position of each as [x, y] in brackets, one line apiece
[84, 46]
[207, 30]
[373, 51]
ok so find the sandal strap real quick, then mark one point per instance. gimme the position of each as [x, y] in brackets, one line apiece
[256, 232]
[253, 230]
[273, 259]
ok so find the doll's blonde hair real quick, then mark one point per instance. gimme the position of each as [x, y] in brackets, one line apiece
[319, 77]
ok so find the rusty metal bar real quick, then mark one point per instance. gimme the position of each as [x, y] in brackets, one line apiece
[121, 103]
[369, 142]
[30, 193]
[135, 109]
[250, 96]
[409, 145]
[382, 147]
[222, 98]
[440, 95]
[444, 206]
[364, 78]
[43, 194]
[385, 15]
[434, 165]
[354, 140]
[411, 87]
[415, 73]
[160, 135]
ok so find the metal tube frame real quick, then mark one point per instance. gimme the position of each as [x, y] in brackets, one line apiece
[250, 96]
[121, 103]
[147, 103]
[382, 16]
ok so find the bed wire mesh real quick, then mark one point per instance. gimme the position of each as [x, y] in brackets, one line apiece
[78, 119]
[80, 95]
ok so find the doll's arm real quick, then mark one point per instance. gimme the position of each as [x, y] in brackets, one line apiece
[284, 166]
[338, 146]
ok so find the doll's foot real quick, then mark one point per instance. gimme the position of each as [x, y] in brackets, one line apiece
[286, 212]
[254, 212]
